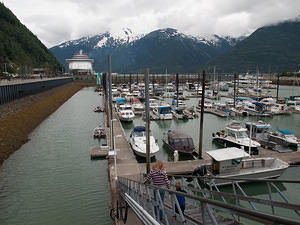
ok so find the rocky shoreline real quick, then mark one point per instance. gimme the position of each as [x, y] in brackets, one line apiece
[20, 117]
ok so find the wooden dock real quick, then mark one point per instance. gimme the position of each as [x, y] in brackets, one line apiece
[215, 112]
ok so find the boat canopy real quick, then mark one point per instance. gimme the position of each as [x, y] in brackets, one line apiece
[285, 131]
[120, 100]
[241, 99]
[259, 104]
[261, 126]
[139, 129]
[224, 154]
[135, 100]
[177, 134]
[164, 109]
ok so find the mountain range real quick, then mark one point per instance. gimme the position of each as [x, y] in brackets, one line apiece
[20, 49]
[158, 50]
[272, 48]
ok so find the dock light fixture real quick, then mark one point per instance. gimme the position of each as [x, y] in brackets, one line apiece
[115, 155]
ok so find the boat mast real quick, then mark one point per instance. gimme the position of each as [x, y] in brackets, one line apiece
[147, 121]
[250, 140]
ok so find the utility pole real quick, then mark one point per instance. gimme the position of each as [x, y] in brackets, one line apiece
[202, 115]
[177, 86]
[130, 83]
[110, 103]
[198, 84]
[234, 90]
[277, 91]
[147, 121]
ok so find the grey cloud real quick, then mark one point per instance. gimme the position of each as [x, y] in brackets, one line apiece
[54, 21]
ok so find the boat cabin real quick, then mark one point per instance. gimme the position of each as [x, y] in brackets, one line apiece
[180, 141]
[227, 160]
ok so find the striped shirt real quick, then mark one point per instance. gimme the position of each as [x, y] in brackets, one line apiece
[158, 177]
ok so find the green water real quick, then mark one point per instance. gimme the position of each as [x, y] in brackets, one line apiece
[51, 179]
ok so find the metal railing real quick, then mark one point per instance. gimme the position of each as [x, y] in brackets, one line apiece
[206, 204]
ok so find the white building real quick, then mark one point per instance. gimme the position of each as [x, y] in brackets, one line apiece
[80, 63]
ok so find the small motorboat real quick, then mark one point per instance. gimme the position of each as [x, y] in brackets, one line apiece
[163, 112]
[137, 141]
[286, 138]
[179, 141]
[99, 132]
[125, 113]
[98, 109]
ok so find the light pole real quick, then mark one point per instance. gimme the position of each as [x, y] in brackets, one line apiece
[115, 155]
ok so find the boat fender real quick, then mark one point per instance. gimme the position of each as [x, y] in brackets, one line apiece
[213, 134]
[175, 156]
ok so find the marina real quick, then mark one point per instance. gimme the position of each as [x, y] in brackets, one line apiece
[129, 165]
[161, 113]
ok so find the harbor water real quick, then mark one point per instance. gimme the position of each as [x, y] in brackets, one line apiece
[51, 179]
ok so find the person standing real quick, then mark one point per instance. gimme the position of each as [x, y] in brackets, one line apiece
[159, 178]
[180, 198]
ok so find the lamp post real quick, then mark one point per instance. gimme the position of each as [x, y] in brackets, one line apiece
[115, 155]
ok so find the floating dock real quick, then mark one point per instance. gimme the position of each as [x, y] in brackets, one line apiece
[99, 152]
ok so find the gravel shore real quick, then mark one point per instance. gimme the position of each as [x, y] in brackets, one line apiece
[20, 117]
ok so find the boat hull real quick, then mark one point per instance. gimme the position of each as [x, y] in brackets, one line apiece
[226, 143]
[257, 175]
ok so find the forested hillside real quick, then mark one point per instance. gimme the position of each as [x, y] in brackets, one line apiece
[20, 49]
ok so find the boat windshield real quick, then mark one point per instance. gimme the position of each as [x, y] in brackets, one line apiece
[241, 134]
[142, 133]
[183, 142]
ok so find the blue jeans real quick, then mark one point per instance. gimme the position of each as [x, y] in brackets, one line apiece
[162, 196]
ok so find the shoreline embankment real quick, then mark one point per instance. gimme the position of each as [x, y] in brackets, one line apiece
[20, 117]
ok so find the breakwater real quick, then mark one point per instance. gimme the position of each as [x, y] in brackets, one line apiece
[16, 90]
[17, 125]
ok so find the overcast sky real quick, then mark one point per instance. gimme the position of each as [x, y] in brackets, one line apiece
[56, 21]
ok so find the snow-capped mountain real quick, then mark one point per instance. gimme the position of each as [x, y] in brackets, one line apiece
[158, 50]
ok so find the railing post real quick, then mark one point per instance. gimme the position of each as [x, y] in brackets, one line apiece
[270, 197]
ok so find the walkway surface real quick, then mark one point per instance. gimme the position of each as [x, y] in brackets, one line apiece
[22, 81]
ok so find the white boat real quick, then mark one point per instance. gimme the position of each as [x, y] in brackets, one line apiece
[137, 141]
[236, 163]
[235, 135]
[152, 103]
[137, 106]
[285, 137]
[163, 112]
[125, 113]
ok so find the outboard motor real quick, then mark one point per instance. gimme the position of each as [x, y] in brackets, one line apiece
[199, 171]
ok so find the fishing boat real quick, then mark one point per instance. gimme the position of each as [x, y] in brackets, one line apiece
[235, 135]
[179, 141]
[125, 113]
[286, 138]
[137, 141]
[163, 112]
[236, 163]
[99, 132]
